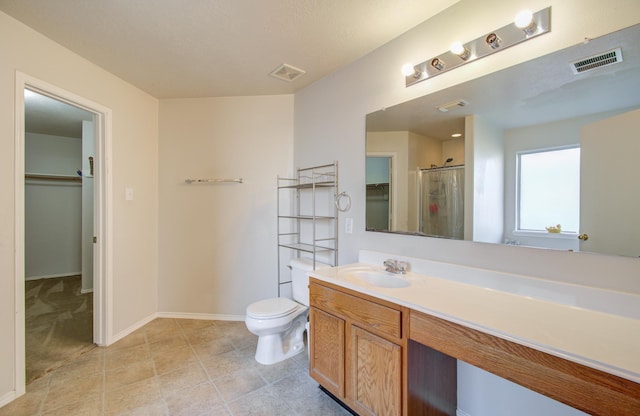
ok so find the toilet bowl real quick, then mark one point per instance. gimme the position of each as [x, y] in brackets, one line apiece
[280, 323]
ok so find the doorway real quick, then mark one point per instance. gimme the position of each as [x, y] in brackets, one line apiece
[59, 155]
[379, 199]
[96, 222]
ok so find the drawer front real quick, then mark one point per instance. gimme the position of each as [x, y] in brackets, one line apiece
[368, 315]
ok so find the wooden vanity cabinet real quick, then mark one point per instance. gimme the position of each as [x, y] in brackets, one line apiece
[383, 359]
[326, 351]
[356, 348]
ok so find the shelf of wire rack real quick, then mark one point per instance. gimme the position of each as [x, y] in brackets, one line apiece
[308, 217]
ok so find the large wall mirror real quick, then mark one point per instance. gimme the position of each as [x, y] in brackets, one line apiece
[542, 154]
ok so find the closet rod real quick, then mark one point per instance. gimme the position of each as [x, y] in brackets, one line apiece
[52, 177]
[236, 180]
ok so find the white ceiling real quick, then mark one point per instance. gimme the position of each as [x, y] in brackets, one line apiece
[208, 48]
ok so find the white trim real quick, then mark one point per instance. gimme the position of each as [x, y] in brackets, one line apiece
[18, 223]
[202, 316]
[85, 291]
[8, 398]
[51, 276]
[461, 413]
[566, 235]
[102, 319]
[131, 329]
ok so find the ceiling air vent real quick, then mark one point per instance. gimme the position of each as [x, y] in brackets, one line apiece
[452, 105]
[597, 61]
[287, 72]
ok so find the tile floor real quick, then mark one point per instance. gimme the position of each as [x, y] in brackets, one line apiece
[177, 367]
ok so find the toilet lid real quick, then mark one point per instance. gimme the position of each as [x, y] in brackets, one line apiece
[271, 308]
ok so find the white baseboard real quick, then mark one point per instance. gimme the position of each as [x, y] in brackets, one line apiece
[203, 316]
[461, 413]
[83, 291]
[117, 337]
[52, 276]
[8, 398]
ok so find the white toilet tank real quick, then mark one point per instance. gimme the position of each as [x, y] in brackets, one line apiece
[300, 280]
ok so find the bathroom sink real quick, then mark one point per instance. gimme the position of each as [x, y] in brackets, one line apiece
[381, 279]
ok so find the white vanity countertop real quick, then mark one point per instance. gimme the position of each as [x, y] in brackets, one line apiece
[599, 339]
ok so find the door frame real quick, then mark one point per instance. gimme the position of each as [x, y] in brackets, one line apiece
[103, 220]
[393, 174]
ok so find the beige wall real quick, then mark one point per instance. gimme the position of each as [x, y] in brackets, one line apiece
[218, 241]
[134, 161]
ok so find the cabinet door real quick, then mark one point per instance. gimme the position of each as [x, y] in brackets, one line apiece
[326, 351]
[375, 374]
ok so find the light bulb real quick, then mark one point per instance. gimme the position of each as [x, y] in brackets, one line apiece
[524, 20]
[459, 49]
[493, 40]
[437, 64]
[408, 69]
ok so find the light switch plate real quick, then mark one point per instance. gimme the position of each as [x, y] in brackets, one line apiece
[128, 194]
[348, 225]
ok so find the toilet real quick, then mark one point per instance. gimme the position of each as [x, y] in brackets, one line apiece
[280, 323]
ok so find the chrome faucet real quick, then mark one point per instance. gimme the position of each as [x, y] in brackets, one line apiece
[395, 266]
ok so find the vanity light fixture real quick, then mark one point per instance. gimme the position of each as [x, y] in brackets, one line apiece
[526, 26]
[455, 135]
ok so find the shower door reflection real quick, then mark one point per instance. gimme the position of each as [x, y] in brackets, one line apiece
[441, 202]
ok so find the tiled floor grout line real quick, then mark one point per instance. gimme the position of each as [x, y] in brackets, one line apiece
[201, 365]
[156, 376]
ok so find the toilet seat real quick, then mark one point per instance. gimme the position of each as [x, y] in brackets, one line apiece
[272, 308]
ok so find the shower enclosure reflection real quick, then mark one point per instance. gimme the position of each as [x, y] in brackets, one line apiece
[441, 196]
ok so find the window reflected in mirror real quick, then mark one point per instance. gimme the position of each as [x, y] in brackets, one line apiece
[549, 191]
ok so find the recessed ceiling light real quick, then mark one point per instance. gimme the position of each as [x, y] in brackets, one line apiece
[456, 135]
